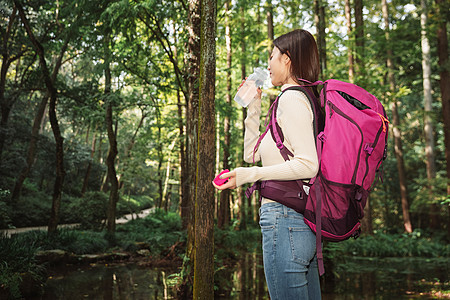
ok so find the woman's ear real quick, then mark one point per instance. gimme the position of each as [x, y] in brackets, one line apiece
[287, 57]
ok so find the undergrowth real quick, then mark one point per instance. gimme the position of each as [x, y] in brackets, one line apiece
[415, 244]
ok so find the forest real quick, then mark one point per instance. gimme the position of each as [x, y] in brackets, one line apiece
[111, 107]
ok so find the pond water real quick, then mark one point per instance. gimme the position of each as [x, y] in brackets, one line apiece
[350, 278]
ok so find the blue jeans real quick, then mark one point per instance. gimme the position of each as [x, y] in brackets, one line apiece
[289, 254]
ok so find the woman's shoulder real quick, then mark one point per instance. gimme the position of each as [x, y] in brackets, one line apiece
[293, 97]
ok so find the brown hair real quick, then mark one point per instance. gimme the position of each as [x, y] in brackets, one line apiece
[301, 48]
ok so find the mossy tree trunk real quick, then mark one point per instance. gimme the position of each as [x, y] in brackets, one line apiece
[204, 200]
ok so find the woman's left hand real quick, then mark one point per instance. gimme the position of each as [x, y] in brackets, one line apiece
[230, 184]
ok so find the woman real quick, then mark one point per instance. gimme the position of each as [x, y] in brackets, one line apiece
[289, 249]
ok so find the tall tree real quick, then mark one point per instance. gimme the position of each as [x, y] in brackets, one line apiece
[270, 36]
[193, 73]
[224, 203]
[89, 167]
[204, 204]
[351, 60]
[428, 110]
[112, 138]
[8, 58]
[444, 74]
[190, 164]
[319, 19]
[242, 62]
[32, 146]
[359, 41]
[60, 172]
[396, 121]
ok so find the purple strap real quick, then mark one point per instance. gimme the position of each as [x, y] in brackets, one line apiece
[254, 187]
[319, 229]
[285, 153]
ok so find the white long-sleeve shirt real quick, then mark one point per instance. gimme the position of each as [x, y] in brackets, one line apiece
[295, 118]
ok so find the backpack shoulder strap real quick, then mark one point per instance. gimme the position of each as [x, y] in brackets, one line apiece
[276, 131]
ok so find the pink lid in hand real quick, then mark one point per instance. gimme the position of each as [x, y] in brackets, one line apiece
[219, 181]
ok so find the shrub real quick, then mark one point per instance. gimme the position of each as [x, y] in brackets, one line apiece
[391, 245]
[17, 258]
[5, 210]
[70, 240]
[90, 210]
[160, 230]
[32, 210]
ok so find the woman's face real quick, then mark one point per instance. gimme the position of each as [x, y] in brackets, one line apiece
[279, 67]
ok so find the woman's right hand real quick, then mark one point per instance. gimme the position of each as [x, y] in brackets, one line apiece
[230, 184]
[258, 89]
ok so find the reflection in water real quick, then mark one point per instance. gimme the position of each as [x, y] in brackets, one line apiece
[109, 282]
[356, 278]
[349, 279]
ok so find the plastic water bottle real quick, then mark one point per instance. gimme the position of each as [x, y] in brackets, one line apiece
[248, 90]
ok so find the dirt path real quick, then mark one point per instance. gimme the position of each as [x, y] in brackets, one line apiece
[121, 220]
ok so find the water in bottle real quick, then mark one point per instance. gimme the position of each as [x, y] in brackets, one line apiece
[249, 89]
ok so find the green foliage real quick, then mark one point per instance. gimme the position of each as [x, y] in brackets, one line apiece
[160, 230]
[5, 212]
[90, 210]
[133, 204]
[231, 242]
[17, 258]
[70, 240]
[390, 245]
[32, 209]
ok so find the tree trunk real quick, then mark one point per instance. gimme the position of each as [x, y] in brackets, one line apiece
[159, 149]
[60, 172]
[224, 203]
[89, 167]
[193, 71]
[129, 148]
[204, 205]
[444, 74]
[270, 34]
[396, 123]
[319, 19]
[5, 104]
[367, 221]
[401, 166]
[270, 37]
[169, 170]
[183, 170]
[351, 62]
[112, 138]
[428, 122]
[187, 205]
[32, 147]
[359, 41]
[182, 155]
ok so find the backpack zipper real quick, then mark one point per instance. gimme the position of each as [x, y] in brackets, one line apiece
[340, 112]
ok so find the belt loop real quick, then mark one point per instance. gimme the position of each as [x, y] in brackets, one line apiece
[285, 211]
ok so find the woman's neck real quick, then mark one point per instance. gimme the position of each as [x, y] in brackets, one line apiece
[290, 80]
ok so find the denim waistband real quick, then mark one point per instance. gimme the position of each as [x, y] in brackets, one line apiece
[277, 207]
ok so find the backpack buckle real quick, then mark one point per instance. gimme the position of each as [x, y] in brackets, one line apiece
[322, 136]
[368, 149]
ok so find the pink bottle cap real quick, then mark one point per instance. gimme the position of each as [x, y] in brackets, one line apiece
[219, 181]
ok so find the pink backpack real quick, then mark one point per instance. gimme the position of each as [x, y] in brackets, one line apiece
[351, 146]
